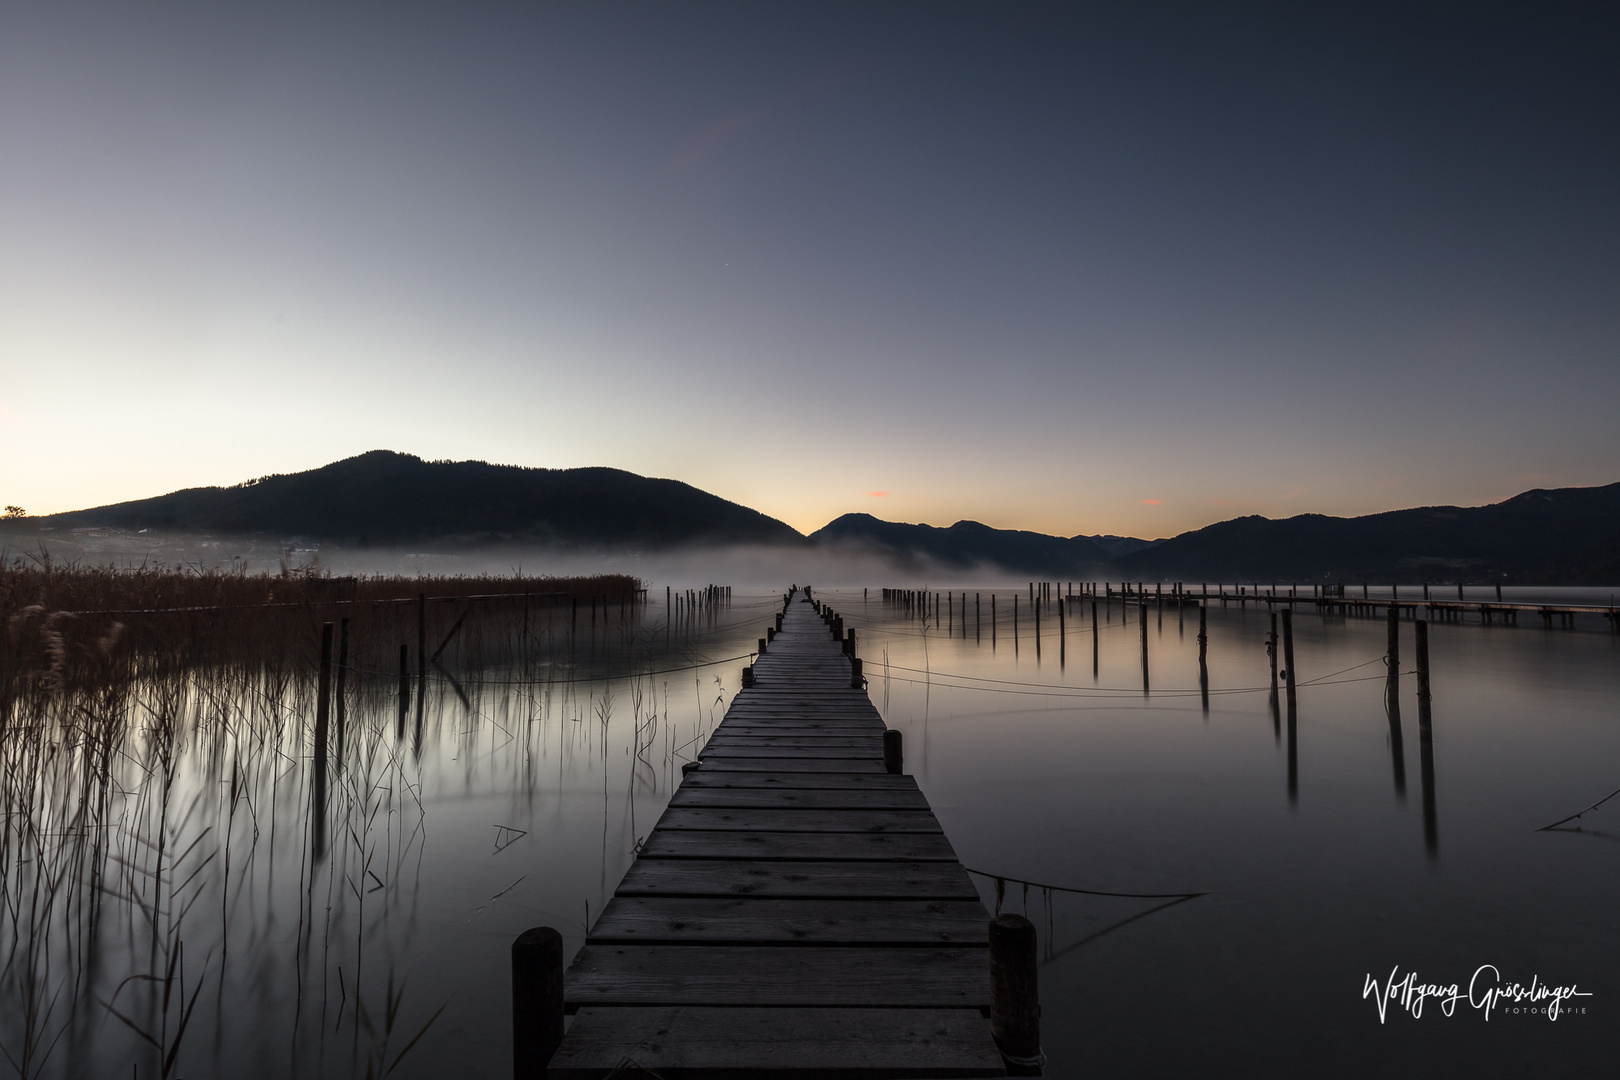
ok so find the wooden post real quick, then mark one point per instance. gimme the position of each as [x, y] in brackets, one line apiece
[1392, 696]
[857, 681]
[342, 683]
[1095, 645]
[1392, 658]
[1063, 630]
[762, 646]
[1498, 593]
[537, 1001]
[1431, 829]
[323, 707]
[1288, 656]
[1142, 618]
[404, 685]
[1015, 1000]
[421, 644]
[1271, 651]
[747, 677]
[893, 756]
[1421, 628]
[1291, 677]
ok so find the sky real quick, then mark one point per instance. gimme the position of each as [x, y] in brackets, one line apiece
[1075, 268]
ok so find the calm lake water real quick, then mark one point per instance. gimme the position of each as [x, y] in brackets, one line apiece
[522, 804]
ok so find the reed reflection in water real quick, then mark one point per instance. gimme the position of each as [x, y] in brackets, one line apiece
[194, 882]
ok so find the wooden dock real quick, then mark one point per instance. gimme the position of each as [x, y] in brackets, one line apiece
[1344, 602]
[796, 912]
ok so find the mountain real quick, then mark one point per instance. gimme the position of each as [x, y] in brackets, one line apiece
[386, 498]
[1558, 536]
[965, 544]
[1121, 545]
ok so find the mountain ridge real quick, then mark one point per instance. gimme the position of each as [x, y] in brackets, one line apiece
[385, 497]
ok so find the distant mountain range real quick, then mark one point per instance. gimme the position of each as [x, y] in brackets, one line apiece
[386, 498]
[968, 543]
[1563, 535]
[1557, 536]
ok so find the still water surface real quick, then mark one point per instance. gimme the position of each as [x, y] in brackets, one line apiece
[522, 806]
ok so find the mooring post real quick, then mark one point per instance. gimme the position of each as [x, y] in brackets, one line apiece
[537, 1001]
[421, 643]
[1392, 658]
[1063, 630]
[856, 680]
[1288, 657]
[894, 760]
[1271, 652]
[342, 683]
[323, 704]
[404, 685]
[762, 646]
[1421, 633]
[1142, 618]
[1431, 828]
[1015, 1000]
[1096, 649]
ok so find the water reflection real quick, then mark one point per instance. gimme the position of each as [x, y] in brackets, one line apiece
[255, 869]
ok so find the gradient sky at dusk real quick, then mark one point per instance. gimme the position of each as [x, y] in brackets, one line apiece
[1074, 268]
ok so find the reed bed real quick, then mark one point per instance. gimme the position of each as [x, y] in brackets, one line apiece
[177, 848]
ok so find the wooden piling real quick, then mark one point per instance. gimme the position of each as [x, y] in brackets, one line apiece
[1289, 675]
[857, 681]
[1271, 651]
[1421, 634]
[1015, 1005]
[323, 703]
[1095, 646]
[537, 1001]
[1142, 619]
[404, 685]
[421, 643]
[1063, 641]
[1392, 698]
[894, 760]
[342, 684]
[323, 706]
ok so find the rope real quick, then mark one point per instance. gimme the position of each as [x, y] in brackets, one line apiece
[1087, 892]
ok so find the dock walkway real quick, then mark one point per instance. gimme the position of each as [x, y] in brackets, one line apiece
[796, 912]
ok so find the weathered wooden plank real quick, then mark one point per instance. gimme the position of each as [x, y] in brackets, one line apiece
[827, 821]
[700, 778]
[664, 920]
[802, 1044]
[835, 799]
[799, 742]
[842, 766]
[914, 978]
[697, 844]
[750, 750]
[797, 880]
